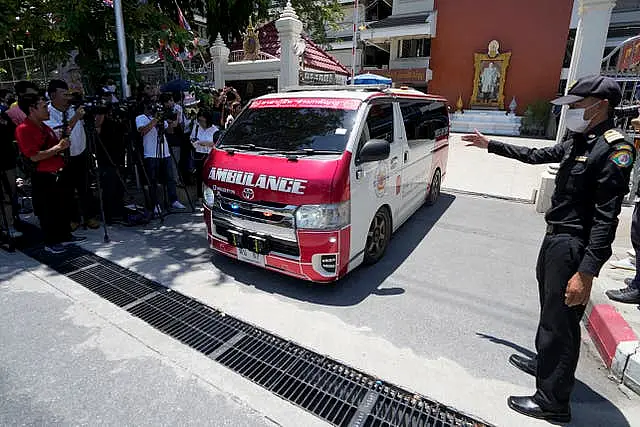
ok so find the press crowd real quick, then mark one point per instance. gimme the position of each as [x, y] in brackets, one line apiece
[61, 145]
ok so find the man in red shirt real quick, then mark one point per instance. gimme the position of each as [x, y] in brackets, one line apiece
[40, 144]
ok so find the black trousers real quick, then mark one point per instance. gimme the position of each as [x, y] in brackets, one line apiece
[112, 193]
[50, 201]
[635, 241]
[558, 335]
[77, 176]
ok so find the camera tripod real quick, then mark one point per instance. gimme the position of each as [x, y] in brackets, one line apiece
[161, 173]
[93, 167]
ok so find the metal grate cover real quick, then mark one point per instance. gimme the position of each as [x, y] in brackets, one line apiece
[340, 395]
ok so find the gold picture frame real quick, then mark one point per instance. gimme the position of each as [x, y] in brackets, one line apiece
[489, 78]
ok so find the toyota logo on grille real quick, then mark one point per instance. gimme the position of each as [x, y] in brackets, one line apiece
[247, 193]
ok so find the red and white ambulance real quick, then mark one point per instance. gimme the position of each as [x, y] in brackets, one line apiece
[312, 182]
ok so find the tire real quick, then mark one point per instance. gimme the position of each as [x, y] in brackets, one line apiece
[378, 237]
[434, 191]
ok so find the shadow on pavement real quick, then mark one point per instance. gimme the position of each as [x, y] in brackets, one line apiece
[356, 286]
[588, 407]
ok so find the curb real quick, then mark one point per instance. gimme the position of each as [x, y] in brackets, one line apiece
[616, 342]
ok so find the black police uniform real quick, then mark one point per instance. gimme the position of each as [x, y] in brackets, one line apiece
[591, 183]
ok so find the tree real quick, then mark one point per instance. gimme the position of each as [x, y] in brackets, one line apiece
[230, 18]
[55, 28]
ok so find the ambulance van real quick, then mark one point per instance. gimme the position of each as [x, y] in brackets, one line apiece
[312, 182]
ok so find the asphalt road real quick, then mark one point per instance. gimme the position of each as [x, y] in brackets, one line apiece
[454, 296]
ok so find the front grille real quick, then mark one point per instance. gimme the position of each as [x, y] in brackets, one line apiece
[332, 391]
[266, 212]
[275, 245]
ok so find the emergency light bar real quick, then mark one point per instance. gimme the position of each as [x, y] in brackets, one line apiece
[352, 88]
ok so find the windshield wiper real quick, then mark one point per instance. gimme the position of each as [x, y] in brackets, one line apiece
[305, 152]
[244, 147]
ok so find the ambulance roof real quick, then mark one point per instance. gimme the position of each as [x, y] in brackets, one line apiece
[362, 93]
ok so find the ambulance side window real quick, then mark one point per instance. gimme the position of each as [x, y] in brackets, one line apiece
[424, 119]
[379, 124]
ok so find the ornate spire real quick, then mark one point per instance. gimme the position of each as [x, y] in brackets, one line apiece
[289, 11]
[219, 41]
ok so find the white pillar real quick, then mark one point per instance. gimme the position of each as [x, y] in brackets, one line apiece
[289, 30]
[220, 56]
[586, 59]
[588, 49]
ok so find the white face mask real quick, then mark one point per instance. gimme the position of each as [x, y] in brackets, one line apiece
[575, 118]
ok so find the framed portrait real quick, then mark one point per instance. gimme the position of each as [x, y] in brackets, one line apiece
[490, 75]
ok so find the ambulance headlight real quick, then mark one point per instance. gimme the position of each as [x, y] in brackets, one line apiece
[209, 197]
[323, 217]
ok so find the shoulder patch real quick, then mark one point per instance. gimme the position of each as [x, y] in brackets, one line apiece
[612, 136]
[622, 158]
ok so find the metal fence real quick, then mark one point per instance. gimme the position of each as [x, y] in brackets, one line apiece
[623, 64]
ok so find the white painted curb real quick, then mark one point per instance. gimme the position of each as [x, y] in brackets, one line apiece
[620, 362]
[631, 376]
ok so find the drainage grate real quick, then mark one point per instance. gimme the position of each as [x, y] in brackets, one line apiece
[330, 390]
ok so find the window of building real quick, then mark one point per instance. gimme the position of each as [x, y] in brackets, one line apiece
[375, 56]
[416, 48]
[377, 10]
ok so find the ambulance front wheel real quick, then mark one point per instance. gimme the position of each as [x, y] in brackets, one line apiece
[378, 236]
[434, 191]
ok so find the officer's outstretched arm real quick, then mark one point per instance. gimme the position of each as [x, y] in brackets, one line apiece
[553, 154]
[611, 187]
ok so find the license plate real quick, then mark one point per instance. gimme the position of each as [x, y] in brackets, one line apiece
[250, 257]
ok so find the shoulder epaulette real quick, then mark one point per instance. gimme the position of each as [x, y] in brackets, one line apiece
[613, 135]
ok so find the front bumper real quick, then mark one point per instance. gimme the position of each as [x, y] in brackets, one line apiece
[317, 256]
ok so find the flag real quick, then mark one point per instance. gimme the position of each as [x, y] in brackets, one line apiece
[182, 21]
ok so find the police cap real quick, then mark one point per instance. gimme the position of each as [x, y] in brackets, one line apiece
[596, 86]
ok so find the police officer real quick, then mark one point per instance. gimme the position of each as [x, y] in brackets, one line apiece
[593, 178]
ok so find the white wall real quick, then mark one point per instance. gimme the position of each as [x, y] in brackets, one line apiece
[403, 7]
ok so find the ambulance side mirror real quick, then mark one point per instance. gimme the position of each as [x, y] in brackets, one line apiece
[373, 151]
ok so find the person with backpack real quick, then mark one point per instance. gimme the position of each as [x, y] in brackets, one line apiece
[39, 143]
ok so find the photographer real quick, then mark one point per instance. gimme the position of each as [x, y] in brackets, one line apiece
[110, 154]
[67, 121]
[40, 144]
[156, 156]
[203, 137]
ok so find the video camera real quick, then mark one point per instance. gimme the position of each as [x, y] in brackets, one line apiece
[163, 114]
[92, 104]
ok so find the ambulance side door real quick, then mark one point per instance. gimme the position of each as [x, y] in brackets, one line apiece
[373, 184]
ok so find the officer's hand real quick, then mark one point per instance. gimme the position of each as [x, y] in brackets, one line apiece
[476, 140]
[578, 290]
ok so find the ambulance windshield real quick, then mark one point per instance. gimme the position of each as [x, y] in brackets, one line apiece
[294, 124]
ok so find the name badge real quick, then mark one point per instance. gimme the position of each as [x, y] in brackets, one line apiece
[581, 159]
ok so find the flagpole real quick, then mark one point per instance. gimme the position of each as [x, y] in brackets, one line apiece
[354, 44]
[122, 48]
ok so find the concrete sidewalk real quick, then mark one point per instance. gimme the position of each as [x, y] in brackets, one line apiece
[614, 327]
[475, 171]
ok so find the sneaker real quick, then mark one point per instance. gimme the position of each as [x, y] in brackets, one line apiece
[93, 223]
[624, 264]
[631, 253]
[626, 295]
[74, 239]
[178, 205]
[74, 226]
[55, 249]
